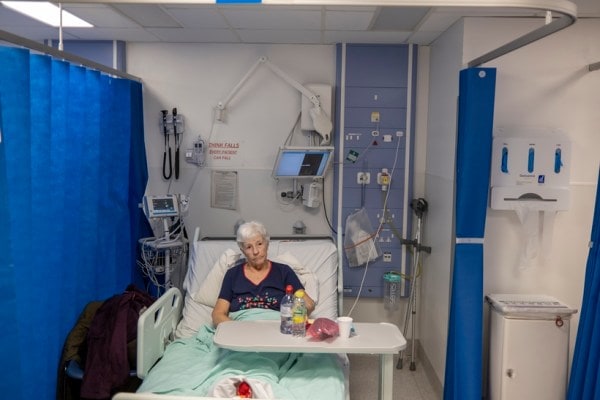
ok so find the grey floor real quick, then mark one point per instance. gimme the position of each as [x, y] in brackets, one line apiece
[408, 385]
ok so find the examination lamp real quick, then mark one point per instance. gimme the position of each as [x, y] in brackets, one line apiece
[321, 121]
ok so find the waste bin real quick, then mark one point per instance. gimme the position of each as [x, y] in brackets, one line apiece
[529, 347]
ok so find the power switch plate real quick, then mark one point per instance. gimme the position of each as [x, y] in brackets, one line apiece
[375, 116]
[363, 178]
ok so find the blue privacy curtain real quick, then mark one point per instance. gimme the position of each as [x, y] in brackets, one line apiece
[463, 374]
[72, 171]
[584, 383]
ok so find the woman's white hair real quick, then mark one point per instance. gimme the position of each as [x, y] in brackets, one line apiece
[248, 230]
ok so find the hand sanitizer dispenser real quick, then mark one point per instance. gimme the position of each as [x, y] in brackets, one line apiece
[530, 175]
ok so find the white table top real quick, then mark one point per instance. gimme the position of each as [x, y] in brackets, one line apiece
[264, 336]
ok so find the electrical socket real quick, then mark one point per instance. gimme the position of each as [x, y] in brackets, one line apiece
[387, 257]
[363, 178]
[383, 177]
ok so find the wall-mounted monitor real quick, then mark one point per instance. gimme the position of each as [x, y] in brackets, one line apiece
[302, 162]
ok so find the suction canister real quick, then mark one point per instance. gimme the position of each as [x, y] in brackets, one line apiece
[391, 290]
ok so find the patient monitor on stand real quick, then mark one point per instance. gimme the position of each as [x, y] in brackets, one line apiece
[166, 251]
[161, 208]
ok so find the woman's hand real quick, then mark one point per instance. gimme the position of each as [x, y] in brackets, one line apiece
[310, 303]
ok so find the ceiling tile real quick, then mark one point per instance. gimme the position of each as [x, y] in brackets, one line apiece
[198, 16]
[124, 34]
[280, 36]
[190, 35]
[273, 19]
[101, 16]
[438, 21]
[352, 8]
[348, 20]
[147, 15]
[398, 19]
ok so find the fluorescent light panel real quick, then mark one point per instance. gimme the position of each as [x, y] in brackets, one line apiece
[47, 13]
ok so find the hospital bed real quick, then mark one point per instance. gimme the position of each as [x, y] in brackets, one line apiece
[185, 319]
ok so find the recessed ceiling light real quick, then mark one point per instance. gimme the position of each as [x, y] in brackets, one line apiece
[47, 13]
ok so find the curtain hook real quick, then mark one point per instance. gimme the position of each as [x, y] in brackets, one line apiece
[60, 27]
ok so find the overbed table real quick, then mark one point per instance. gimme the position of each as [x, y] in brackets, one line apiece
[384, 339]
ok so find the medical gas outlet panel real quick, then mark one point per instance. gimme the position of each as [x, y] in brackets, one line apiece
[377, 156]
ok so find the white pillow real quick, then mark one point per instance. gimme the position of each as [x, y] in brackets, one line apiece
[210, 288]
[306, 276]
[194, 315]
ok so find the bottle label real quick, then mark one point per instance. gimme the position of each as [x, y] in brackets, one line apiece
[286, 311]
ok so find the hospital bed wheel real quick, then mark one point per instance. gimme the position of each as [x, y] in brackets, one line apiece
[399, 364]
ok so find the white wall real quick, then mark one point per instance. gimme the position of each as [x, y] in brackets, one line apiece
[445, 64]
[195, 78]
[545, 84]
[559, 93]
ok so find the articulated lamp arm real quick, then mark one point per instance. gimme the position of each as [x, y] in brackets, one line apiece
[305, 92]
[321, 120]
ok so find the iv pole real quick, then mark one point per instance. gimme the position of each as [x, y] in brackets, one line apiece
[419, 206]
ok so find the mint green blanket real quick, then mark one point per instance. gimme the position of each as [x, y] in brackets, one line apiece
[195, 365]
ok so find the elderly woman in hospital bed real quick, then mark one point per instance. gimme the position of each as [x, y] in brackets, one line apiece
[196, 366]
[255, 282]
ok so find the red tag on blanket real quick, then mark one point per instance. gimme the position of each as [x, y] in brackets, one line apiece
[244, 391]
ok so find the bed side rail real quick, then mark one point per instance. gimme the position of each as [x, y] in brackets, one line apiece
[156, 327]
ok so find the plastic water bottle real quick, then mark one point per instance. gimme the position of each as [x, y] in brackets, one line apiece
[299, 314]
[285, 310]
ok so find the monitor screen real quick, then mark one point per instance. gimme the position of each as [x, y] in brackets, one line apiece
[302, 162]
[161, 206]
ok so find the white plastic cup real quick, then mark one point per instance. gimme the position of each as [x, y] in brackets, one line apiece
[345, 326]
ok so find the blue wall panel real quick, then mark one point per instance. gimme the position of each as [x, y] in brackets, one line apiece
[360, 117]
[377, 78]
[382, 66]
[375, 97]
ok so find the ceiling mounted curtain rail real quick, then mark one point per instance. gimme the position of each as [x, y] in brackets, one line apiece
[32, 45]
[594, 66]
[556, 25]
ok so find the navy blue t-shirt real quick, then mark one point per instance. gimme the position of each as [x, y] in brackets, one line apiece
[242, 294]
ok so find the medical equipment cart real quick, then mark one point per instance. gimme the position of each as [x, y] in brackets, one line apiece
[163, 262]
[529, 347]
